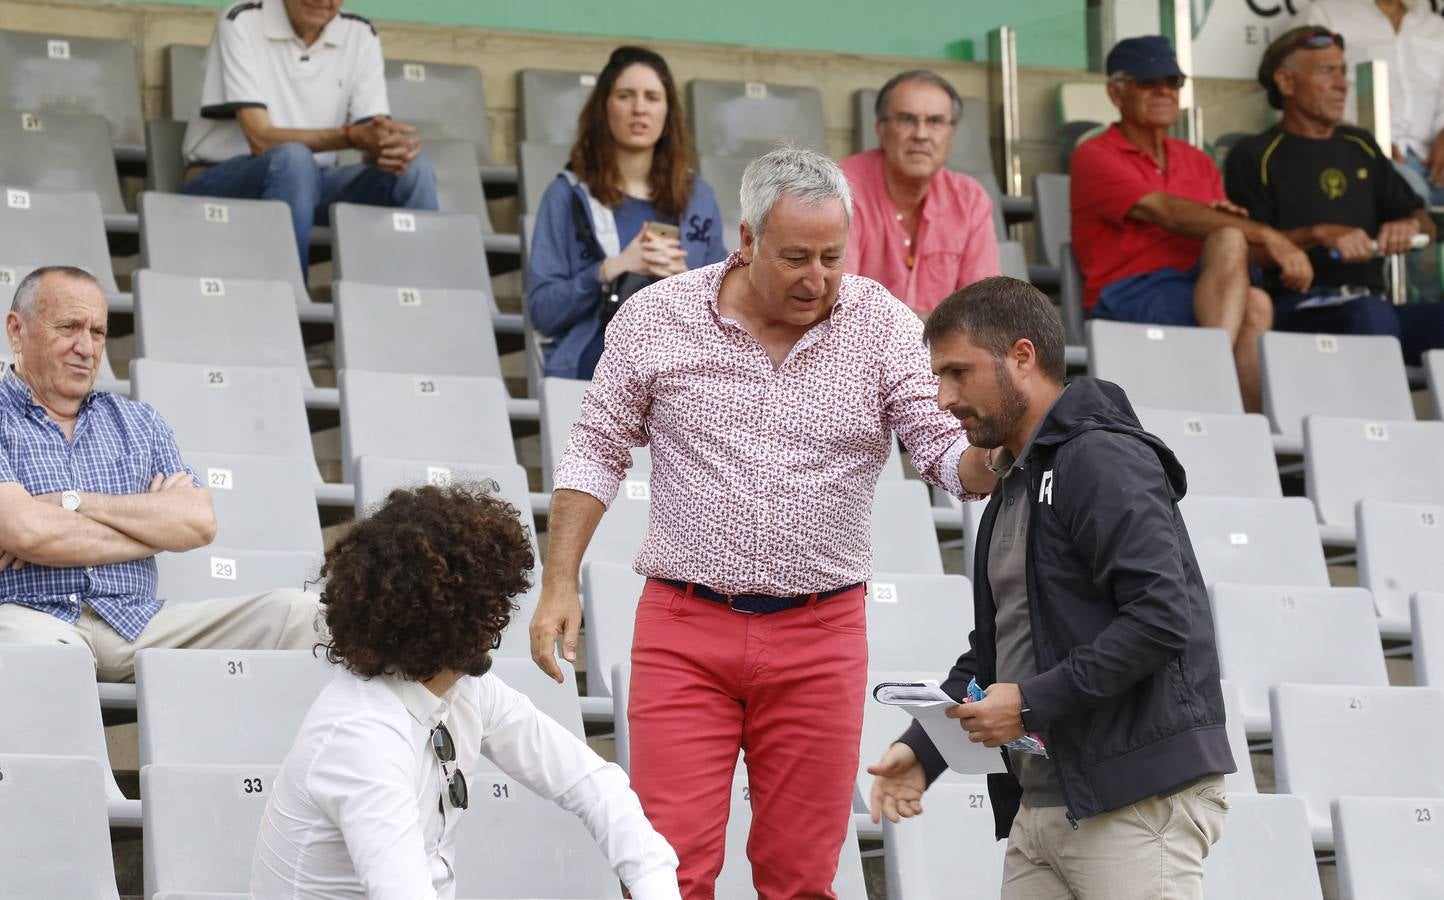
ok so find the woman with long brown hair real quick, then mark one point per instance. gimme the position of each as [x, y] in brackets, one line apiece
[627, 211]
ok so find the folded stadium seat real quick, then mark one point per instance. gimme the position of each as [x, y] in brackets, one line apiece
[422, 415]
[972, 512]
[1224, 455]
[1348, 460]
[883, 723]
[61, 73]
[610, 591]
[224, 707]
[904, 539]
[748, 118]
[53, 828]
[735, 879]
[548, 103]
[1334, 741]
[1054, 221]
[949, 851]
[65, 715]
[1166, 366]
[561, 403]
[724, 175]
[458, 189]
[200, 826]
[245, 323]
[1012, 260]
[1389, 848]
[558, 701]
[1350, 376]
[55, 151]
[407, 329]
[222, 237]
[1434, 373]
[538, 165]
[1401, 552]
[42, 228]
[261, 502]
[1267, 636]
[185, 74]
[443, 101]
[165, 165]
[514, 843]
[1265, 853]
[1249, 541]
[409, 248]
[623, 526]
[972, 142]
[621, 690]
[1241, 781]
[918, 621]
[220, 571]
[1428, 609]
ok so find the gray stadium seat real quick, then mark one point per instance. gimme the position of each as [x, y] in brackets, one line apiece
[892, 467]
[1247, 541]
[972, 142]
[213, 237]
[1352, 376]
[610, 591]
[1271, 635]
[61, 73]
[1054, 221]
[621, 690]
[561, 403]
[947, 853]
[165, 163]
[559, 701]
[724, 175]
[1401, 552]
[458, 184]
[1070, 296]
[400, 329]
[622, 528]
[200, 825]
[1348, 460]
[442, 101]
[903, 536]
[972, 520]
[1389, 848]
[409, 248]
[53, 828]
[261, 502]
[411, 416]
[221, 571]
[1434, 373]
[53, 228]
[736, 118]
[53, 151]
[1265, 852]
[1224, 455]
[224, 707]
[989, 183]
[735, 879]
[228, 409]
[537, 166]
[1428, 609]
[1012, 260]
[917, 621]
[1241, 781]
[513, 843]
[185, 74]
[548, 104]
[1342, 741]
[1165, 366]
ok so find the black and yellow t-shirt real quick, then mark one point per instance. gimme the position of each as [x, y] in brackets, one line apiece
[1289, 181]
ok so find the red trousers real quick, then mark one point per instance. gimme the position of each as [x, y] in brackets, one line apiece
[786, 689]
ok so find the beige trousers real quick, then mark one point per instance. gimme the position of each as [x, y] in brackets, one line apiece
[1152, 850]
[286, 619]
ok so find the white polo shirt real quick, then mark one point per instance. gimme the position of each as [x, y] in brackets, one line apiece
[256, 59]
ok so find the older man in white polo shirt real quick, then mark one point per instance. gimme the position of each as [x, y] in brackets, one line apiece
[288, 83]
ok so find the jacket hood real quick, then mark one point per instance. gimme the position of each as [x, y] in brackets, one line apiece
[1091, 404]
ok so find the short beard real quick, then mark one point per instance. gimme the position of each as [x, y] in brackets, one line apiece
[993, 431]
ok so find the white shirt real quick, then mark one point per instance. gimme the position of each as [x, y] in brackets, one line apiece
[1414, 54]
[353, 813]
[256, 59]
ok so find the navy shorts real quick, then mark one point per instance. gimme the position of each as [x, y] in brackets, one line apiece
[1160, 297]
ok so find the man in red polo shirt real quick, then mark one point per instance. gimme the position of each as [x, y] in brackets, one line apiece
[1153, 231]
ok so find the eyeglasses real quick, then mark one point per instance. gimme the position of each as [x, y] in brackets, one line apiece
[909, 121]
[445, 750]
[1320, 40]
[1152, 84]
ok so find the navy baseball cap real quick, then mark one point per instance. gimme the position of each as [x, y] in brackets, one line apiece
[1144, 58]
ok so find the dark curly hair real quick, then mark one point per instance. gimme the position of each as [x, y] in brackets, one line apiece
[425, 583]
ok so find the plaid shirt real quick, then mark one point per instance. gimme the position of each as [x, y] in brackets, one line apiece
[119, 446]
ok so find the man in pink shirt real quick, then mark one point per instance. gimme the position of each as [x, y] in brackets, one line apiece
[919, 229]
[769, 387]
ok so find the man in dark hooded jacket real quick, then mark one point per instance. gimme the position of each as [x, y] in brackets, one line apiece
[1092, 623]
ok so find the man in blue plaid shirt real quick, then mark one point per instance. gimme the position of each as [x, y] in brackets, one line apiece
[91, 488]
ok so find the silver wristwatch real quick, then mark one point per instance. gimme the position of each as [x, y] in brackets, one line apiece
[70, 500]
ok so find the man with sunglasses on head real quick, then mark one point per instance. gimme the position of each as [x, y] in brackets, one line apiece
[1155, 235]
[368, 800]
[1334, 192]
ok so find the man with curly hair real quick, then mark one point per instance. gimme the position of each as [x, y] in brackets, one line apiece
[368, 800]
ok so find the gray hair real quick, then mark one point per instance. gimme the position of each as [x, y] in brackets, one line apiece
[807, 175]
[25, 300]
[926, 76]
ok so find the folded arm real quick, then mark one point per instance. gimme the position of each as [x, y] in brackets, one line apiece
[37, 530]
[175, 514]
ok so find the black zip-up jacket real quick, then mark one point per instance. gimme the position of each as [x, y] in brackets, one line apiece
[1127, 699]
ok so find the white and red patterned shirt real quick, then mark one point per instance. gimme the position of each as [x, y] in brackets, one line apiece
[762, 480]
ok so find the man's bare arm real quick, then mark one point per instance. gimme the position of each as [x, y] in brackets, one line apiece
[43, 533]
[1192, 219]
[383, 141]
[974, 473]
[571, 523]
[173, 515]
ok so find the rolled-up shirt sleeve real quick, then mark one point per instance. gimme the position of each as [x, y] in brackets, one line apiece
[612, 420]
[556, 765]
[910, 406]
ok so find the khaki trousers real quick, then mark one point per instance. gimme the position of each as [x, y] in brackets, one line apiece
[1152, 850]
[286, 619]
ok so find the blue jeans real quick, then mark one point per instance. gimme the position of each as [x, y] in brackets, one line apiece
[1418, 326]
[1161, 297]
[1433, 194]
[289, 172]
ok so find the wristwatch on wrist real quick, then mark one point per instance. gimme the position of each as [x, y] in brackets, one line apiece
[70, 500]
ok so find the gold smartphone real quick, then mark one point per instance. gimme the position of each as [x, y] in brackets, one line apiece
[662, 229]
